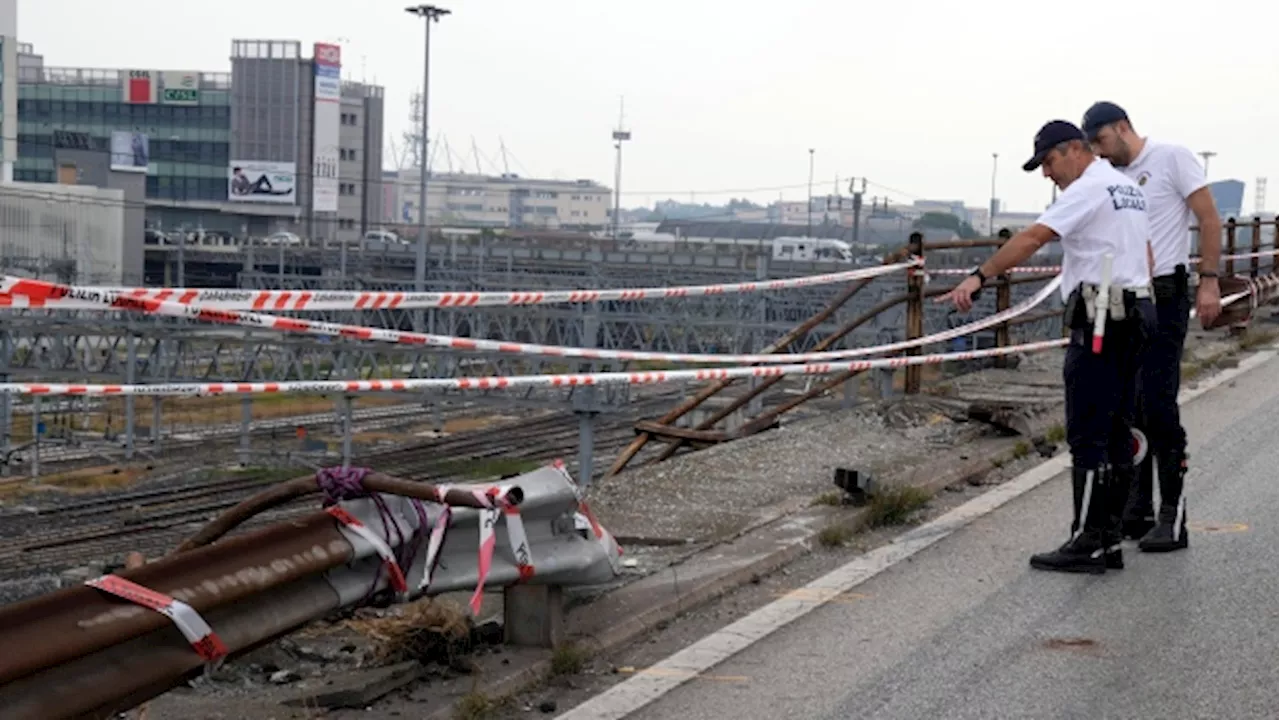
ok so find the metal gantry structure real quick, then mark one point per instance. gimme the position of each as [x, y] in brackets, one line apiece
[114, 347]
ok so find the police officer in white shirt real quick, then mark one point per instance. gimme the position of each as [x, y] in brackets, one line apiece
[1176, 189]
[1101, 219]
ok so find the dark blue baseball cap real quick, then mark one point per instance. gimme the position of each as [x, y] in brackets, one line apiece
[1100, 115]
[1053, 132]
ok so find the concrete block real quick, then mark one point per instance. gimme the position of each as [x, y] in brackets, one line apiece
[533, 615]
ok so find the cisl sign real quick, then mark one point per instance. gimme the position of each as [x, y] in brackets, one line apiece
[180, 88]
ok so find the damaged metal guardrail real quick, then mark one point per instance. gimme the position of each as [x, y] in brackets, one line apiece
[122, 639]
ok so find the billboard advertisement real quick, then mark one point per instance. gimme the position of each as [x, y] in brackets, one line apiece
[328, 107]
[130, 151]
[180, 88]
[262, 182]
[139, 87]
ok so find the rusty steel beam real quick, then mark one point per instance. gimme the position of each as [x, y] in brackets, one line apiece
[290, 490]
[1240, 310]
[777, 346]
[120, 677]
[73, 622]
[770, 417]
[767, 383]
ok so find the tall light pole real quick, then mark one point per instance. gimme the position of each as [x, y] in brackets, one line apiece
[991, 223]
[619, 136]
[1206, 154]
[429, 13]
[810, 208]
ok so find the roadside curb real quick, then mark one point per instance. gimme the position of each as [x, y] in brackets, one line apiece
[621, 616]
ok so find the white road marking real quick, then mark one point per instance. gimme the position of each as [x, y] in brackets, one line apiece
[661, 678]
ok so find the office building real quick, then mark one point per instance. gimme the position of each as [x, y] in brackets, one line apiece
[456, 199]
[1228, 196]
[66, 233]
[280, 143]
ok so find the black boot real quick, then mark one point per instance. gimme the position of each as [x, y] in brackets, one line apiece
[1086, 551]
[1170, 532]
[1139, 515]
[1122, 477]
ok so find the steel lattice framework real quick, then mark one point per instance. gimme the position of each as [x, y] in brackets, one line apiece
[114, 347]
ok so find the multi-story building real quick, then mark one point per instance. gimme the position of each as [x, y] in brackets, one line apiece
[278, 144]
[1228, 196]
[502, 201]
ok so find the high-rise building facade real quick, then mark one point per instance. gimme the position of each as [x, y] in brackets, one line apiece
[244, 153]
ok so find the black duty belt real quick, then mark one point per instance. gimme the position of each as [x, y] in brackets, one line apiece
[1080, 309]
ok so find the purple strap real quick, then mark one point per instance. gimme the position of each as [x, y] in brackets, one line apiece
[339, 484]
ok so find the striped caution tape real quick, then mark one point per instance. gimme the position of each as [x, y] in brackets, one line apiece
[497, 505]
[384, 551]
[517, 381]
[193, 627]
[41, 290]
[319, 300]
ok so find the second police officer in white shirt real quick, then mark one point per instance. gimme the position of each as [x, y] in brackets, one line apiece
[1101, 220]
[1175, 186]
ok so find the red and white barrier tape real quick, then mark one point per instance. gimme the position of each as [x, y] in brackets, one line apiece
[516, 381]
[496, 505]
[41, 290]
[203, 639]
[389, 561]
[302, 300]
[1019, 269]
[1058, 268]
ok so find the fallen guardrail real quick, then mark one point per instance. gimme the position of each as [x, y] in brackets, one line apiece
[124, 638]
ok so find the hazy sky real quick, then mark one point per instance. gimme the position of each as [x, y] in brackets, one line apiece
[729, 95]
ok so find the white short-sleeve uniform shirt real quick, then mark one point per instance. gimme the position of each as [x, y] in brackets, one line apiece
[1167, 174]
[1103, 211]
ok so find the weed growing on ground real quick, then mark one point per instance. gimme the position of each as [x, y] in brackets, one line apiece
[834, 535]
[475, 705]
[894, 505]
[568, 659]
[828, 498]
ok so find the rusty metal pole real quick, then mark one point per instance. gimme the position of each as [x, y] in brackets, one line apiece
[1230, 247]
[767, 383]
[121, 676]
[1256, 247]
[1275, 244]
[69, 623]
[915, 312]
[1004, 295]
[777, 346]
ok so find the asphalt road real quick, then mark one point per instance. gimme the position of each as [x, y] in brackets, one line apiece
[965, 629]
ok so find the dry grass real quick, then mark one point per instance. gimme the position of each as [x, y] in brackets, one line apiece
[835, 535]
[1055, 434]
[428, 630]
[1253, 338]
[833, 497]
[475, 705]
[894, 505]
[568, 659]
[86, 480]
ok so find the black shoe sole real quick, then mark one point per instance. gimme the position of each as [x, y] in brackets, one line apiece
[1163, 548]
[1091, 569]
[1114, 561]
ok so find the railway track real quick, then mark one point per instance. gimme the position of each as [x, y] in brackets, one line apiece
[64, 533]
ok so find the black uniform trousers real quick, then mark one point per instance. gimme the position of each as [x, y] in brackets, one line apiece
[1158, 417]
[1101, 407]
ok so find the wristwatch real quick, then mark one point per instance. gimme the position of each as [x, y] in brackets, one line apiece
[977, 272]
[1208, 273]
